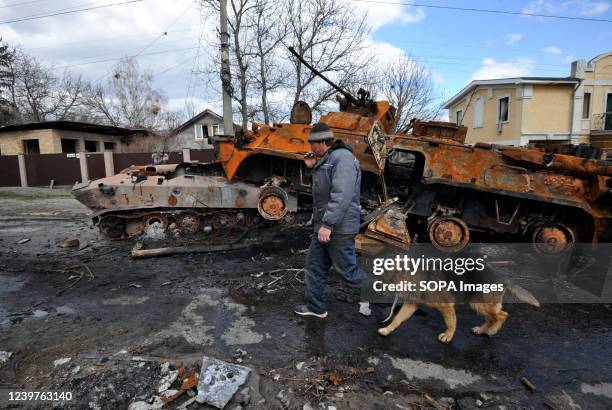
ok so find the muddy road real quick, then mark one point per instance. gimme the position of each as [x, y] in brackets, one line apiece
[95, 300]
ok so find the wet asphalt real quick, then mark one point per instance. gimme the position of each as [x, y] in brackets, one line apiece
[214, 304]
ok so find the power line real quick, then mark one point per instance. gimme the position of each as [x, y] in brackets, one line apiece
[119, 58]
[165, 33]
[471, 9]
[17, 20]
[114, 53]
[106, 39]
[173, 66]
[196, 60]
[6, 6]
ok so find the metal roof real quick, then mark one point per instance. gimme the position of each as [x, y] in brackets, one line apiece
[73, 126]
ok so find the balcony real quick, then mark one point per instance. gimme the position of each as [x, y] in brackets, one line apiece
[601, 124]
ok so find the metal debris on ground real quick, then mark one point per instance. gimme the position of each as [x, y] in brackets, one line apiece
[188, 383]
[84, 269]
[69, 242]
[25, 240]
[219, 381]
[278, 282]
[435, 403]
[528, 383]
[239, 355]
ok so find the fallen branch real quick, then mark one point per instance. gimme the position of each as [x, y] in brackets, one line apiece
[71, 285]
[275, 280]
[173, 250]
[91, 275]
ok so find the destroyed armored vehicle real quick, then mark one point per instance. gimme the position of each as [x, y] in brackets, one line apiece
[259, 176]
[424, 184]
[450, 193]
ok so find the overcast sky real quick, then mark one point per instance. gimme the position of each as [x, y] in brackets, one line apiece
[457, 46]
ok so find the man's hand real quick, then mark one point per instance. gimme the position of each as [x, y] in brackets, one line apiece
[324, 234]
[310, 159]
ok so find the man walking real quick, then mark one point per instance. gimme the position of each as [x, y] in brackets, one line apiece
[336, 183]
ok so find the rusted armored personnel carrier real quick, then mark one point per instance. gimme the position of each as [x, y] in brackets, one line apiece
[450, 193]
[259, 175]
[423, 185]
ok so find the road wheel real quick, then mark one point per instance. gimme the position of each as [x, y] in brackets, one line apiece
[188, 223]
[112, 227]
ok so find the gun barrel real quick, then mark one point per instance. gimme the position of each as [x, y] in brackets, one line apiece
[348, 96]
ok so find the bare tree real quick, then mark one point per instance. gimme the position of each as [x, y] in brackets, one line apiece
[6, 58]
[269, 31]
[329, 35]
[35, 93]
[128, 99]
[409, 87]
[241, 55]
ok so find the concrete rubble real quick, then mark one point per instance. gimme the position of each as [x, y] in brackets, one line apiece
[61, 362]
[169, 377]
[155, 232]
[219, 381]
[5, 356]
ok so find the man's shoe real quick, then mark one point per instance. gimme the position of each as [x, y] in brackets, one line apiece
[303, 310]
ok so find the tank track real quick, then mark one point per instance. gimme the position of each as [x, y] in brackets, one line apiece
[189, 221]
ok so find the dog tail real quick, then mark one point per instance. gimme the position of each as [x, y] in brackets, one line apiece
[392, 310]
[523, 295]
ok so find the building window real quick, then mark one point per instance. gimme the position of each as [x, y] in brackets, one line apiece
[199, 135]
[218, 129]
[68, 146]
[201, 132]
[478, 112]
[91, 146]
[503, 109]
[459, 116]
[31, 147]
[586, 106]
[109, 146]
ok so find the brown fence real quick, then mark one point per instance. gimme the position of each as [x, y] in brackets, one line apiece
[65, 169]
[202, 155]
[95, 165]
[42, 168]
[9, 170]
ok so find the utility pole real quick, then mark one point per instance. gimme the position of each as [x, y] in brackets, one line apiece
[226, 76]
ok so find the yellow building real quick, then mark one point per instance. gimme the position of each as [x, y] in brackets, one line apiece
[540, 110]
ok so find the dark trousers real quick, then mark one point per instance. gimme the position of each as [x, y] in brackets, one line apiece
[339, 252]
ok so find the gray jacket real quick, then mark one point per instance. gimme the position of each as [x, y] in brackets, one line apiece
[336, 186]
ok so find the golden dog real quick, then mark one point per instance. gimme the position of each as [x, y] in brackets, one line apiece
[488, 305]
